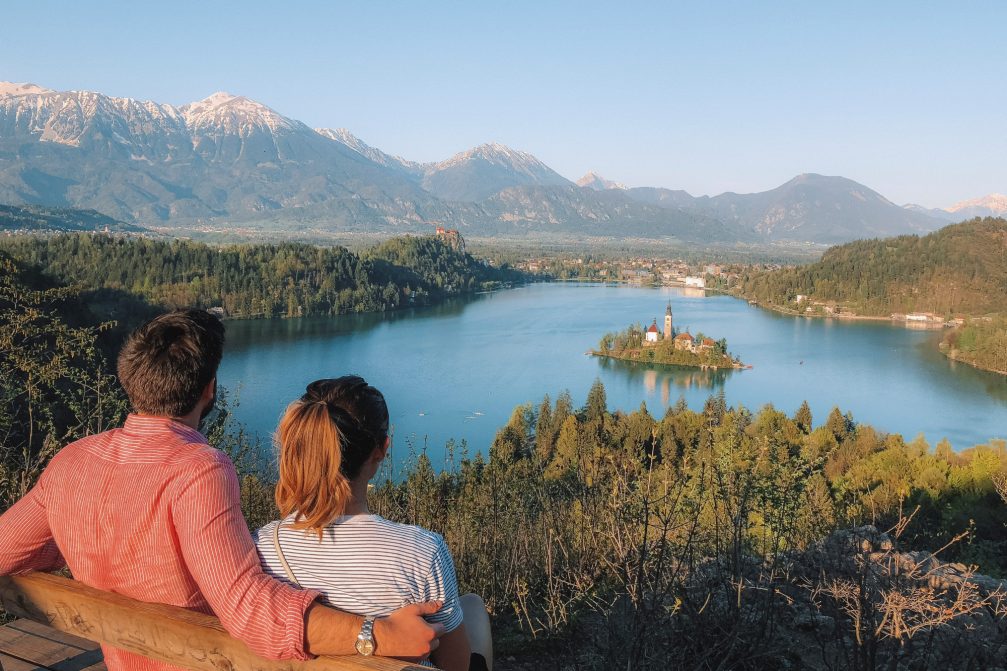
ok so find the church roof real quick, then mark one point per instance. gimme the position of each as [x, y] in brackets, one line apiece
[652, 329]
[684, 336]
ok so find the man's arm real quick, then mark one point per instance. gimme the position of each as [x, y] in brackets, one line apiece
[26, 542]
[276, 621]
[403, 634]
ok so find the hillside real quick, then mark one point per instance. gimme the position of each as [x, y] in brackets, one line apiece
[286, 280]
[960, 269]
[38, 219]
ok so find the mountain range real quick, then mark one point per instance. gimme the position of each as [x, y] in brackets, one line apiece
[228, 161]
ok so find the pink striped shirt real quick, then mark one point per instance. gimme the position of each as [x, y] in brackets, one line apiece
[152, 512]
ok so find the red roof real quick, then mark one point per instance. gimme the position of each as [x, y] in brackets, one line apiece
[708, 341]
[684, 336]
[652, 329]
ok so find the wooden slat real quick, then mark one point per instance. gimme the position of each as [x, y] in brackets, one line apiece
[67, 652]
[8, 663]
[45, 631]
[46, 652]
[165, 633]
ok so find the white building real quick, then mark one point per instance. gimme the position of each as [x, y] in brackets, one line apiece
[697, 282]
[652, 332]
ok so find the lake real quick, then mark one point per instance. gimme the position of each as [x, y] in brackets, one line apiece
[458, 370]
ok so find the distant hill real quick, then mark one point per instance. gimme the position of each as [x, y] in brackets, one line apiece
[960, 269]
[36, 218]
[820, 209]
[808, 208]
[574, 210]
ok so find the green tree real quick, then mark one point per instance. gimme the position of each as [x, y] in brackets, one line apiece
[596, 405]
[803, 417]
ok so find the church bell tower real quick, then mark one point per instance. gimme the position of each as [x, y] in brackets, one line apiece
[668, 334]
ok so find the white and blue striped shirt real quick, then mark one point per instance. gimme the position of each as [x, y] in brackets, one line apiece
[367, 565]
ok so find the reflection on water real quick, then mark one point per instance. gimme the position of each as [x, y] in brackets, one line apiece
[242, 334]
[666, 379]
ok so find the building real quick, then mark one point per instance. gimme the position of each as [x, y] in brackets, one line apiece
[452, 237]
[684, 341]
[696, 282]
[651, 335]
[669, 332]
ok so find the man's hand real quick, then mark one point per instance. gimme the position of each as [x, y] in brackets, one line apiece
[405, 634]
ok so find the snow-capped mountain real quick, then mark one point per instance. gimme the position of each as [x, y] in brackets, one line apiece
[224, 156]
[993, 205]
[230, 114]
[350, 140]
[24, 88]
[593, 180]
[93, 122]
[937, 213]
[229, 159]
[468, 176]
[479, 173]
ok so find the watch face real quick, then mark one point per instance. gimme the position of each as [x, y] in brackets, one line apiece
[365, 646]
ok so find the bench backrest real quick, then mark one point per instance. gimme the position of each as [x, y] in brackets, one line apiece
[165, 633]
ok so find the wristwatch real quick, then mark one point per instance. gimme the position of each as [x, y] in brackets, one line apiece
[365, 639]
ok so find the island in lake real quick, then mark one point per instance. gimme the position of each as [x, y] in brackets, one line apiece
[669, 347]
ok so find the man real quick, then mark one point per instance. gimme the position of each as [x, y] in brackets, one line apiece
[152, 512]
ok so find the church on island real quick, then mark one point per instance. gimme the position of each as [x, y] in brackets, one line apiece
[683, 341]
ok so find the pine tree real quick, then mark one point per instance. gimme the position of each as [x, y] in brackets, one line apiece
[803, 418]
[597, 405]
[544, 438]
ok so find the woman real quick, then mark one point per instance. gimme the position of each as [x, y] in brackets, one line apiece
[331, 443]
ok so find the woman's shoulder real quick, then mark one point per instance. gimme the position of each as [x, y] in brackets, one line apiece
[382, 527]
[356, 531]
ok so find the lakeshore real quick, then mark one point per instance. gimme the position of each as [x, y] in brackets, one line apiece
[640, 356]
[844, 314]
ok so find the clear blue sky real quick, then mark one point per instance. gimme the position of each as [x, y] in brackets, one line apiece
[909, 98]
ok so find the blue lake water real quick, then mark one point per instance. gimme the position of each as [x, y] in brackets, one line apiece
[459, 369]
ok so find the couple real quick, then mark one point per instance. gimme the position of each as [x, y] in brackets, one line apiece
[152, 512]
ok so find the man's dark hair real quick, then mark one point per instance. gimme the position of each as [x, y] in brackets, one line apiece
[166, 364]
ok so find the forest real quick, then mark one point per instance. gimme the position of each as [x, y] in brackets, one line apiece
[980, 342]
[718, 538]
[23, 218]
[262, 280]
[957, 271]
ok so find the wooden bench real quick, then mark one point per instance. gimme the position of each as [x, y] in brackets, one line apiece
[165, 633]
